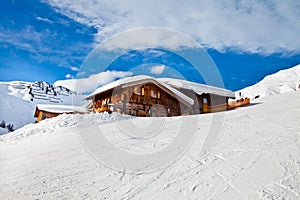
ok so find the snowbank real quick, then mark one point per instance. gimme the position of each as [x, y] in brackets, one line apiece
[256, 157]
[51, 125]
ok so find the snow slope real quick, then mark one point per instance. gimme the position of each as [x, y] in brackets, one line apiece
[19, 99]
[281, 82]
[256, 157]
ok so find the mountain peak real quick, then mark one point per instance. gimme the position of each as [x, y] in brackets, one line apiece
[283, 81]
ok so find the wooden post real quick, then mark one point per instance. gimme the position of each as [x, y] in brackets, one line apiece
[40, 116]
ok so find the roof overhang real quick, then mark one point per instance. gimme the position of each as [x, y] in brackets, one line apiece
[144, 80]
[58, 109]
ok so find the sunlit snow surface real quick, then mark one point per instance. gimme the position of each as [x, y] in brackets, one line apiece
[281, 82]
[256, 157]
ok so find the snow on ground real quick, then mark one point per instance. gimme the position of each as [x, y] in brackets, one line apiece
[14, 109]
[281, 82]
[256, 157]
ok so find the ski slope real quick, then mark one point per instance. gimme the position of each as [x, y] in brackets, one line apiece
[281, 82]
[256, 157]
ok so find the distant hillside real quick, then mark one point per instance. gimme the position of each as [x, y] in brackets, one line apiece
[19, 99]
[281, 82]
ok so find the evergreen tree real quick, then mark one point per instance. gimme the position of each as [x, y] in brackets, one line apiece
[10, 127]
[3, 124]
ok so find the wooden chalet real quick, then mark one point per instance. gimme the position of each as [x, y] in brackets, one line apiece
[147, 96]
[44, 111]
[141, 96]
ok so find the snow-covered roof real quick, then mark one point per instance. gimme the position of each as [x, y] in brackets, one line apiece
[61, 108]
[116, 84]
[130, 81]
[197, 87]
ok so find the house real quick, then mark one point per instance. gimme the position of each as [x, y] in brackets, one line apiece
[141, 96]
[43, 111]
[146, 96]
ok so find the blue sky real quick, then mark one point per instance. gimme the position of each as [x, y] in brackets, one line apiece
[49, 40]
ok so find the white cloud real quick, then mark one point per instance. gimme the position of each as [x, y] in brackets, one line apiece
[248, 26]
[159, 69]
[155, 37]
[69, 76]
[92, 82]
[75, 69]
[44, 19]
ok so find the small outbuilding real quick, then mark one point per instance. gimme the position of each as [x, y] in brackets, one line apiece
[207, 98]
[44, 111]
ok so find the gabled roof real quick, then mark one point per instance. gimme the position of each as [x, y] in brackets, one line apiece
[197, 87]
[59, 108]
[142, 79]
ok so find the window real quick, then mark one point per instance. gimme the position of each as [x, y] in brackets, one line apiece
[155, 94]
[143, 91]
[44, 116]
[137, 90]
[105, 102]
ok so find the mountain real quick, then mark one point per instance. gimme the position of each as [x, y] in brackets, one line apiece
[281, 82]
[19, 99]
[256, 156]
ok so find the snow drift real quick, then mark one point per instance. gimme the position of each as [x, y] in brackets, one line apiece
[256, 157]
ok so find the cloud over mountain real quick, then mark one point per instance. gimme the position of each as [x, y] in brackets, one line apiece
[92, 82]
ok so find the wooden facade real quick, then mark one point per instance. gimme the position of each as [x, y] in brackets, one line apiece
[147, 96]
[41, 115]
[148, 99]
[205, 103]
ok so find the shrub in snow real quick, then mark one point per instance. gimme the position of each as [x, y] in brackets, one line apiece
[10, 127]
[3, 124]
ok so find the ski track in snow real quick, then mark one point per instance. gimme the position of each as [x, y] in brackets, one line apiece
[256, 157]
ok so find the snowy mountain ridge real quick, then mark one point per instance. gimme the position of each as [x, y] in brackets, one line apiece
[40, 92]
[281, 82]
[19, 99]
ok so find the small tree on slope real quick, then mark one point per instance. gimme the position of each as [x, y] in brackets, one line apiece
[3, 124]
[10, 127]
